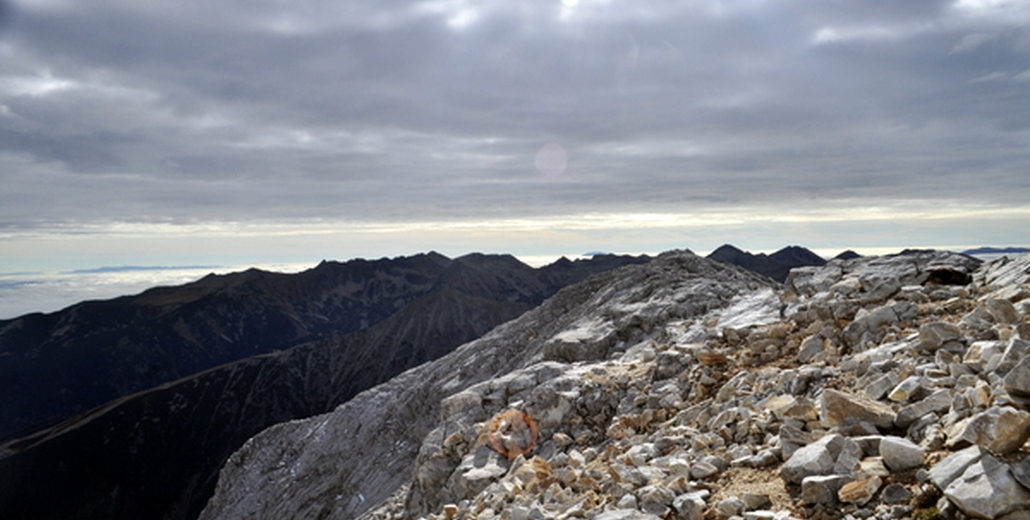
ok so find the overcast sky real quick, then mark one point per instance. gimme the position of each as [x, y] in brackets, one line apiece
[192, 132]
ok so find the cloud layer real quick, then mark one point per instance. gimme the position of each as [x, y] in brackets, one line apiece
[116, 113]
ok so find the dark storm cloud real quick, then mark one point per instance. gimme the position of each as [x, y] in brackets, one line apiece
[140, 111]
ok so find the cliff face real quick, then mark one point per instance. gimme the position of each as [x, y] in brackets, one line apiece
[156, 454]
[688, 389]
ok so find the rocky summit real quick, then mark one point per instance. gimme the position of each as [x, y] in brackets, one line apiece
[874, 387]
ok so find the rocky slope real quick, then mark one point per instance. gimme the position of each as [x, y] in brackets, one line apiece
[156, 454]
[890, 387]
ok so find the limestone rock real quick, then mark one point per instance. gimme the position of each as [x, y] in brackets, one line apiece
[1003, 311]
[953, 466]
[1017, 381]
[999, 429]
[938, 401]
[822, 489]
[817, 458]
[838, 408]
[900, 454]
[1016, 350]
[987, 489]
[860, 491]
[689, 506]
[933, 335]
[811, 347]
[912, 388]
[869, 327]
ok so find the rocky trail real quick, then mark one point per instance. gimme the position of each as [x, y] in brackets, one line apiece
[883, 387]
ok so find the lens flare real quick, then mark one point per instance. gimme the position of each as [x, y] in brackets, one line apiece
[513, 433]
[551, 160]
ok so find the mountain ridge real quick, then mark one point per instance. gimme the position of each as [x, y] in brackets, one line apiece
[152, 445]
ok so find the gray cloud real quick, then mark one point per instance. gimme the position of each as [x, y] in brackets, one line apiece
[182, 111]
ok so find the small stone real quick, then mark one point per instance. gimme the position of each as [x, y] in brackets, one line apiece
[822, 489]
[764, 459]
[777, 404]
[679, 467]
[756, 501]
[933, 335]
[655, 499]
[1003, 311]
[628, 501]
[872, 466]
[912, 388]
[1017, 381]
[950, 468]
[729, 507]
[450, 511]
[860, 491]
[838, 408]
[848, 458]
[689, 506]
[626, 514]
[895, 494]
[1021, 472]
[900, 454]
[938, 401]
[814, 459]
[811, 347]
[703, 469]
[881, 385]
[561, 440]
[1015, 351]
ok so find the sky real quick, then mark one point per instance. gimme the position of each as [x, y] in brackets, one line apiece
[260, 132]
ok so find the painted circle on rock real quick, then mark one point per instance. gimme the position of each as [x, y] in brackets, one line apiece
[513, 433]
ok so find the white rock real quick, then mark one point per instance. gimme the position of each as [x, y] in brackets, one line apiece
[987, 489]
[822, 489]
[900, 454]
[953, 466]
[839, 408]
[999, 429]
[817, 458]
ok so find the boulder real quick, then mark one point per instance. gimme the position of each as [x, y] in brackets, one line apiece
[900, 454]
[987, 489]
[1001, 430]
[839, 408]
[817, 458]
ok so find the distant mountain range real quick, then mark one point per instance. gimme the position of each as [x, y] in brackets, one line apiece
[775, 266]
[188, 373]
[996, 250]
